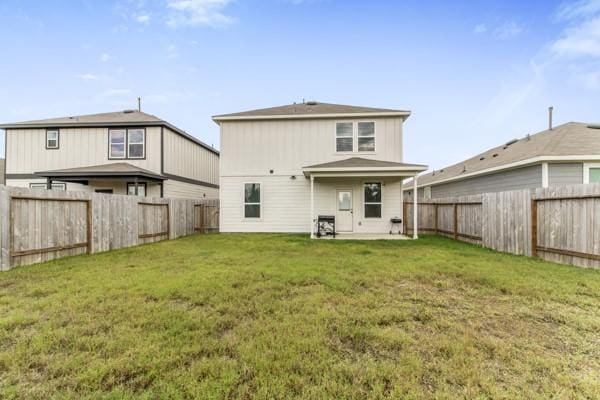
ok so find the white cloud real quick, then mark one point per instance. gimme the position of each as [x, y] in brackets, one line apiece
[104, 57]
[578, 9]
[480, 28]
[88, 77]
[508, 30]
[198, 12]
[577, 49]
[580, 40]
[143, 19]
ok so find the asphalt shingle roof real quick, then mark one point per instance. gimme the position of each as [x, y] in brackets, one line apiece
[570, 139]
[309, 109]
[118, 118]
[359, 162]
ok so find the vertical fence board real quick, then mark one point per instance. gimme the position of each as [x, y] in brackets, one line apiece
[39, 225]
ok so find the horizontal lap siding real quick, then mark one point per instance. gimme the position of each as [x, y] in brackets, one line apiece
[565, 174]
[286, 203]
[118, 187]
[521, 178]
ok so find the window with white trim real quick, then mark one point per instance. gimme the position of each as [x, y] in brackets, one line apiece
[52, 139]
[141, 189]
[366, 136]
[127, 143]
[116, 138]
[372, 203]
[591, 173]
[55, 186]
[135, 143]
[252, 200]
[344, 137]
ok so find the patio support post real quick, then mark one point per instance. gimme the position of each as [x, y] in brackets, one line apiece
[312, 206]
[402, 206]
[415, 211]
[135, 182]
[49, 183]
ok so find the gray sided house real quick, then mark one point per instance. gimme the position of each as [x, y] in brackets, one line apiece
[568, 154]
[124, 152]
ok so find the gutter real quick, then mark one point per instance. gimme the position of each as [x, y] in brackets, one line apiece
[223, 118]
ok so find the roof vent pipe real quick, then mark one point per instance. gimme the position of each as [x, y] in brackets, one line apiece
[139, 104]
[550, 109]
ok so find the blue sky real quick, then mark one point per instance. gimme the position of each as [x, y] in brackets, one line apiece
[474, 73]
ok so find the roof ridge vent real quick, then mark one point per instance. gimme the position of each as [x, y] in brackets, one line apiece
[509, 143]
[311, 103]
[594, 126]
[128, 111]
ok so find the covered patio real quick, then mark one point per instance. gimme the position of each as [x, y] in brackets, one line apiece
[363, 197]
[118, 178]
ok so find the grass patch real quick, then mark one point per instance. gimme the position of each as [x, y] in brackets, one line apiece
[280, 316]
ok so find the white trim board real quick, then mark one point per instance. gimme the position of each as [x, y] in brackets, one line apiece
[404, 114]
[586, 170]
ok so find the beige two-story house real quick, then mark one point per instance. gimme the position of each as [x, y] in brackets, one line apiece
[125, 152]
[283, 168]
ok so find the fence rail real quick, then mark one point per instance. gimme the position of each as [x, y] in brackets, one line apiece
[39, 225]
[560, 224]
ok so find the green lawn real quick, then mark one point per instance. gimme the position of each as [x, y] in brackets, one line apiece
[280, 316]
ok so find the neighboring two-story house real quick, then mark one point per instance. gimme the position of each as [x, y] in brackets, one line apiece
[568, 154]
[282, 167]
[126, 152]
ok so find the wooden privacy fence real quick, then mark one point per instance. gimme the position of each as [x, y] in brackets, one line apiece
[41, 225]
[560, 224]
[206, 218]
[456, 219]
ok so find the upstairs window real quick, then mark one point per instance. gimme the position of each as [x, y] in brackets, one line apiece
[116, 138]
[127, 143]
[373, 200]
[252, 200]
[135, 143]
[344, 137]
[52, 139]
[366, 136]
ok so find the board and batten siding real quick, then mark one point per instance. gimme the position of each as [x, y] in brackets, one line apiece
[251, 148]
[514, 179]
[78, 147]
[178, 189]
[182, 157]
[563, 174]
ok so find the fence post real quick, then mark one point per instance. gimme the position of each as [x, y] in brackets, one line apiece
[404, 216]
[534, 227]
[5, 229]
[455, 221]
[89, 224]
[202, 217]
[436, 218]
